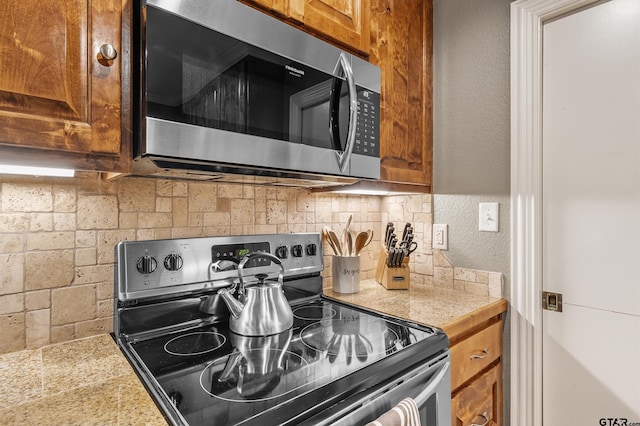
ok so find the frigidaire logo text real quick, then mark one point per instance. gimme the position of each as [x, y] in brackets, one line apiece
[294, 70]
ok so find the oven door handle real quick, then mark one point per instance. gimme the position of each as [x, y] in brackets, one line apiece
[359, 410]
[343, 67]
[422, 398]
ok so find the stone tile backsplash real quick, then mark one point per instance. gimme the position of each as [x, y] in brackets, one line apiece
[57, 239]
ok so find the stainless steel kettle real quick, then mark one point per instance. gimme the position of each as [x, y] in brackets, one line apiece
[261, 308]
[256, 363]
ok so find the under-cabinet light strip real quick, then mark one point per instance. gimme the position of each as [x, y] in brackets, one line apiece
[35, 171]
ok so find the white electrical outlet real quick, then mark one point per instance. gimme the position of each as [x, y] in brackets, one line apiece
[440, 239]
[489, 217]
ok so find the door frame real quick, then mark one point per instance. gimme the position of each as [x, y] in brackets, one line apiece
[527, 19]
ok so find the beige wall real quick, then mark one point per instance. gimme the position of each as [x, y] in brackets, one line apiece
[471, 133]
[57, 239]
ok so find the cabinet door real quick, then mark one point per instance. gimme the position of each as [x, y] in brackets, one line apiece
[57, 92]
[345, 21]
[475, 353]
[401, 45]
[480, 403]
[278, 6]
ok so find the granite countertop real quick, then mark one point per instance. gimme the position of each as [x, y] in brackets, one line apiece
[451, 310]
[82, 382]
[89, 382]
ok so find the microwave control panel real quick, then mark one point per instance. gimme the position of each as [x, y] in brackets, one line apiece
[368, 130]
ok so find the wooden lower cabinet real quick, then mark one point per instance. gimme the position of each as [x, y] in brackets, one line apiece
[480, 403]
[476, 367]
[475, 354]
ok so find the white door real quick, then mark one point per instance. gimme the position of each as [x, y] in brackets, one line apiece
[591, 215]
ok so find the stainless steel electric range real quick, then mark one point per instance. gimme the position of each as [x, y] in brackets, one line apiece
[337, 364]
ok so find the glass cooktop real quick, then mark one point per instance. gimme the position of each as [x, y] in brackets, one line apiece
[213, 376]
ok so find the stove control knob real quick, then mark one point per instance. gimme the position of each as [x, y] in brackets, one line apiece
[282, 252]
[146, 264]
[312, 250]
[173, 262]
[296, 250]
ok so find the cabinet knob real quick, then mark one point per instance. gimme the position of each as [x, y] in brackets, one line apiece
[485, 420]
[107, 53]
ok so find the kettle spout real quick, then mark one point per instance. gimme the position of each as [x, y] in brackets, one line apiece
[234, 305]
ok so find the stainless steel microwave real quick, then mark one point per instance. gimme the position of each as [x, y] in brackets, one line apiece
[224, 88]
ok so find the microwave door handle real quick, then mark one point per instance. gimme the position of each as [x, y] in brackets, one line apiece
[334, 114]
[344, 157]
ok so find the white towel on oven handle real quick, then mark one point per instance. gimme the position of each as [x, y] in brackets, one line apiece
[405, 413]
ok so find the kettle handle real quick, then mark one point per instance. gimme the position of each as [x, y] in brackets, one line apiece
[255, 255]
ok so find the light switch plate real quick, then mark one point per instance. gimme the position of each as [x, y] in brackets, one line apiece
[440, 239]
[489, 217]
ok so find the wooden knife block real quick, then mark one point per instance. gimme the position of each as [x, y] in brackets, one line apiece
[392, 278]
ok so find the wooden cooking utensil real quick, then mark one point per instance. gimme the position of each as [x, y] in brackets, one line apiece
[333, 240]
[362, 240]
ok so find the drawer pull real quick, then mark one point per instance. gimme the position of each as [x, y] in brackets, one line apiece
[486, 420]
[485, 353]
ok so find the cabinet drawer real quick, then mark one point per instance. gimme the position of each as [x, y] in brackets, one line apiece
[481, 402]
[473, 354]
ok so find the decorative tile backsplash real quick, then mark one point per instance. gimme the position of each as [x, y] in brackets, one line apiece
[57, 239]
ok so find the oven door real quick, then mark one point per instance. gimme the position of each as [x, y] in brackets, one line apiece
[428, 384]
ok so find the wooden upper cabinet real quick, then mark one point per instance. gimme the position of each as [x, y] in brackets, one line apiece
[58, 93]
[402, 46]
[280, 7]
[345, 21]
